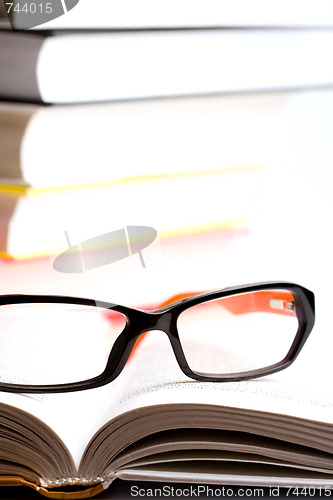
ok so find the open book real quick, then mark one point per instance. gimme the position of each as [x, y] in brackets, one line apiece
[154, 423]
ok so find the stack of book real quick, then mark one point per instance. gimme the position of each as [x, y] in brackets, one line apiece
[154, 129]
[183, 165]
[160, 120]
[188, 110]
[89, 162]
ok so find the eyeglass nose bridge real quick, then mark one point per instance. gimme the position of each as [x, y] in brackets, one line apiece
[141, 322]
[138, 323]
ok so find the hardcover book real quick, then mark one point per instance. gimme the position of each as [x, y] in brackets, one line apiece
[34, 225]
[113, 141]
[72, 67]
[109, 14]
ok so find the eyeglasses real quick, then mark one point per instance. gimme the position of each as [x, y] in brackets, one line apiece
[62, 344]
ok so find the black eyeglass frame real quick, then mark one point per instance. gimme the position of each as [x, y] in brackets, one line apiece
[165, 318]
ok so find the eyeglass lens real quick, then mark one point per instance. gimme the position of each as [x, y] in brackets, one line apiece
[238, 333]
[55, 343]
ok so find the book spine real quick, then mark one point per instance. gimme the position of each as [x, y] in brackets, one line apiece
[19, 81]
[89, 492]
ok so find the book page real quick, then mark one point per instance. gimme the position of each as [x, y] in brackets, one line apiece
[153, 377]
[189, 444]
[233, 473]
[71, 416]
[156, 396]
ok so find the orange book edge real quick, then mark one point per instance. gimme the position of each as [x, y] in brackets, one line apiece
[56, 495]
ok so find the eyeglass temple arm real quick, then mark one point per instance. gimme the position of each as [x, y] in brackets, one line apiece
[277, 302]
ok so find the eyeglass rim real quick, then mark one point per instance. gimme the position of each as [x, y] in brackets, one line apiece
[137, 323]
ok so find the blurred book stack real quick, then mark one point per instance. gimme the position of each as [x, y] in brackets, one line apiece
[164, 117]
